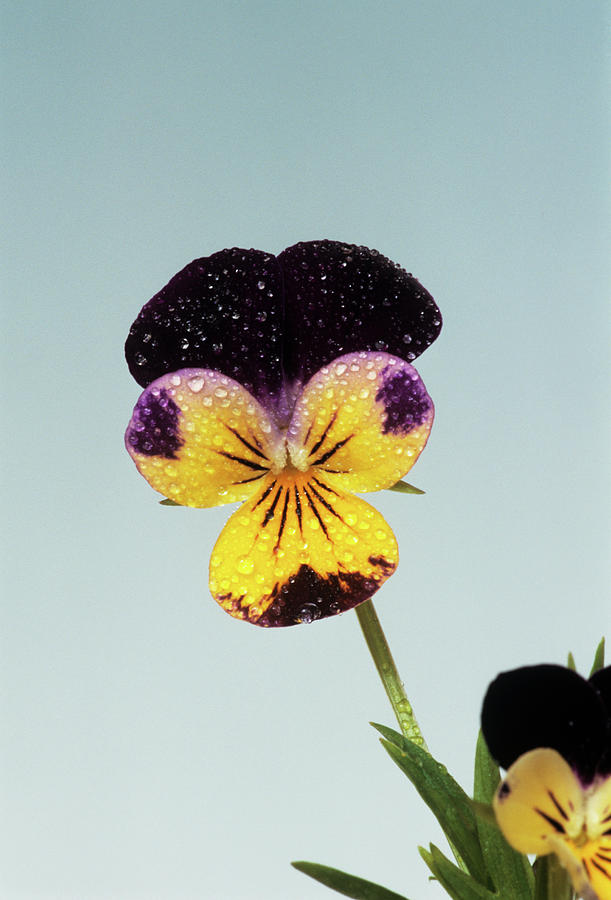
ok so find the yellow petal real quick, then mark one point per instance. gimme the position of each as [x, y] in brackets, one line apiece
[300, 550]
[541, 807]
[201, 439]
[539, 797]
[362, 420]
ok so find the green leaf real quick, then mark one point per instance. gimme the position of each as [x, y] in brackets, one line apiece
[570, 663]
[599, 657]
[445, 798]
[485, 812]
[510, 871]
[402, 487]
[551, 880]
[348, 885]
[168, 502]
[457, 883]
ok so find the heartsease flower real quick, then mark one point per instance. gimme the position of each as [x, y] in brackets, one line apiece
[551, 729]
[285, 382]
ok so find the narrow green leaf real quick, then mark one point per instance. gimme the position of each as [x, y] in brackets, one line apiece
[445, 798]
[402, 487]
[485, 812]
[599, 657]
[570, 663]
[348, 885]
[168, 502]
[551, 880]
[510, 871]
[458, 884]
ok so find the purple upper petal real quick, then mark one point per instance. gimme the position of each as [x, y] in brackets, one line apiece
[222, 312]
[341, 298]
[548, 706]
[601, 682]
[272, 321]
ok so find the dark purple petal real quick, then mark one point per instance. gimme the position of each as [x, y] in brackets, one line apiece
[223, 312]
[545, 706]
[341, 298]
[269, 322]
[601, 682]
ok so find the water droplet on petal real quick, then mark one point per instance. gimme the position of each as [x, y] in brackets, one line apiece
[246, 565]
[196, 384]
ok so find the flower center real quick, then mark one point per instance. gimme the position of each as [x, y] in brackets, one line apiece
[290, 458]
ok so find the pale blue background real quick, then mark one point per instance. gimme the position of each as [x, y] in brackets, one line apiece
[153, 747]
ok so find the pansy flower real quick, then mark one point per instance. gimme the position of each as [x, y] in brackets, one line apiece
[551, 729]
[285, 382]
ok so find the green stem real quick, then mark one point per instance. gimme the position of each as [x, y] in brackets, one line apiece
[387, 670]
[551, 880]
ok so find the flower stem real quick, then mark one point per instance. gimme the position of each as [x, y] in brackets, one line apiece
[387, 670]
[551, 880]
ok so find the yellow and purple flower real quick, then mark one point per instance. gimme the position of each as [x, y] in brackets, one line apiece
[551, 729]
[285, 382]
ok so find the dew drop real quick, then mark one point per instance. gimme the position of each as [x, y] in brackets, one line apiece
[308, 613]
[196, 384]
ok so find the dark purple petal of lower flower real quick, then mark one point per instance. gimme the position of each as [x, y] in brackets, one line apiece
[545, 706]
[341, 298]
[601, 682]
[222, 312]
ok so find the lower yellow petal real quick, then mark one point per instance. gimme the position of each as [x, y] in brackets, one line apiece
[300, 550]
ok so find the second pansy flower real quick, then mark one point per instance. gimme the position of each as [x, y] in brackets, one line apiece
[282, 382]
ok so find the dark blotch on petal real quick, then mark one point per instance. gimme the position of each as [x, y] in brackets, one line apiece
[545, 706]
[503, 791]
[309, 596]
[154, 429]
[342, 298]
[222, 312]
[406, 402]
